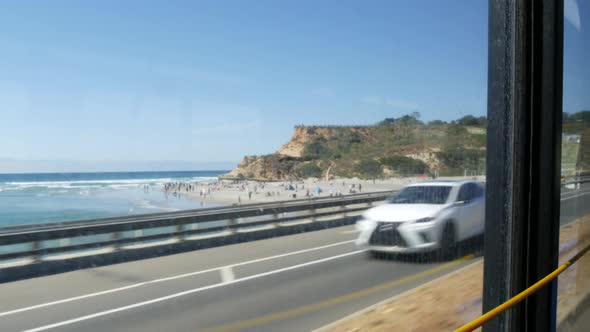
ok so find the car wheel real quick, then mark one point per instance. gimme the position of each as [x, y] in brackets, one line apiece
[447, 240]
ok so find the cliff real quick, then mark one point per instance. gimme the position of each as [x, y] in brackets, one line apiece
[395, 149]
[302, 135]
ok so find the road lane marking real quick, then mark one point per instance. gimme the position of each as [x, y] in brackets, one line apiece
[119, 289]
[227, 274]
[245, 324]
[353, 231]
[576, 196]
[187, 292]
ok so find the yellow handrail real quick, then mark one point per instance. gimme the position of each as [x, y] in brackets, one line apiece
[478, 322]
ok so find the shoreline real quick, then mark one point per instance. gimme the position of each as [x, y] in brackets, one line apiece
[237, 192]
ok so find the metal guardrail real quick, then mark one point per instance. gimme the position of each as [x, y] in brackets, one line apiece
[226, 218]
[575, 177]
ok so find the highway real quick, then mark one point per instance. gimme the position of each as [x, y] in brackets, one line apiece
[293, 283]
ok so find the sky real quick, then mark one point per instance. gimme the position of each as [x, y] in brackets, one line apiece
[201, 82]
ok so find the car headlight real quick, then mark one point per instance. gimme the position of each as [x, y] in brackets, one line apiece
[364, 224]
[425, 219]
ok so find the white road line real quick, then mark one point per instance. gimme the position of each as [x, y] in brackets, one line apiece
[350, 232]
[227, 274]
[191, 291]
[119, 289]
[576, 196]
[573, 192]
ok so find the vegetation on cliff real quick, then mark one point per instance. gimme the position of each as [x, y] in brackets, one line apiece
[393, 147]
[401, 146]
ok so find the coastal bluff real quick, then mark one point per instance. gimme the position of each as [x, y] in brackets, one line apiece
[390, 148]
[287, 161]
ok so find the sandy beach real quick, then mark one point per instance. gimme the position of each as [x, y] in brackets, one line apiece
[227, 192]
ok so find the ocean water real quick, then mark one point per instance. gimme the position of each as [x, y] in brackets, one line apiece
[51, 197]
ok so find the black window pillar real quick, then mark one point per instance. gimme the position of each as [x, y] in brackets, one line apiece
[523, 159]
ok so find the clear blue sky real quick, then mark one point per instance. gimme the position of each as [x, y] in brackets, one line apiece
[215, 80]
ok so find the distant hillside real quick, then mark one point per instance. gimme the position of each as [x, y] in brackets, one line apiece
[393, 147]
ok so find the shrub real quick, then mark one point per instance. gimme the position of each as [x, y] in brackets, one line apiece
[458, 159]
[308, 170]
[315, 149]
[470, 120]
[405, 165]
[369, 169]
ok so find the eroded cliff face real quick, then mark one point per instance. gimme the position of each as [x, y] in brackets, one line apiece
[305, 134]
[264, 168]
[282, 165]
[349, 151]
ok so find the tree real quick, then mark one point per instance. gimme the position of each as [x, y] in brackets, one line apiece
[582, 116]
[575, 123]
[470, 120]
[467, 120]
[436, 123]
[483, 121]
[387, 122]
[412, 119]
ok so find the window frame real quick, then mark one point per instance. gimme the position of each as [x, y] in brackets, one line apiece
[525, 88]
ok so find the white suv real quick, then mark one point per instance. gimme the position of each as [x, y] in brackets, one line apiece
[425, 216]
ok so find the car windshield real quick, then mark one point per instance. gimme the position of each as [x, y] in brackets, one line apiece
[422, 195]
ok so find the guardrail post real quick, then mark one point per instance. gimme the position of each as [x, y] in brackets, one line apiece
[179, 229]
[275, 217]
[343, 208]
[37, 256]
[231, 223]
[115, 237]
[313, 217]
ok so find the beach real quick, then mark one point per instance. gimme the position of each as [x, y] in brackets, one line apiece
[228, 192]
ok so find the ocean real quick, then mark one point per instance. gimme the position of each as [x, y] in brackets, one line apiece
[51, 197]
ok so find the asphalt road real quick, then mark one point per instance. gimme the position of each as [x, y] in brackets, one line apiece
[294, 283]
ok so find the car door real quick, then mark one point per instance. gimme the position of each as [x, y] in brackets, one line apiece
[468, 206]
